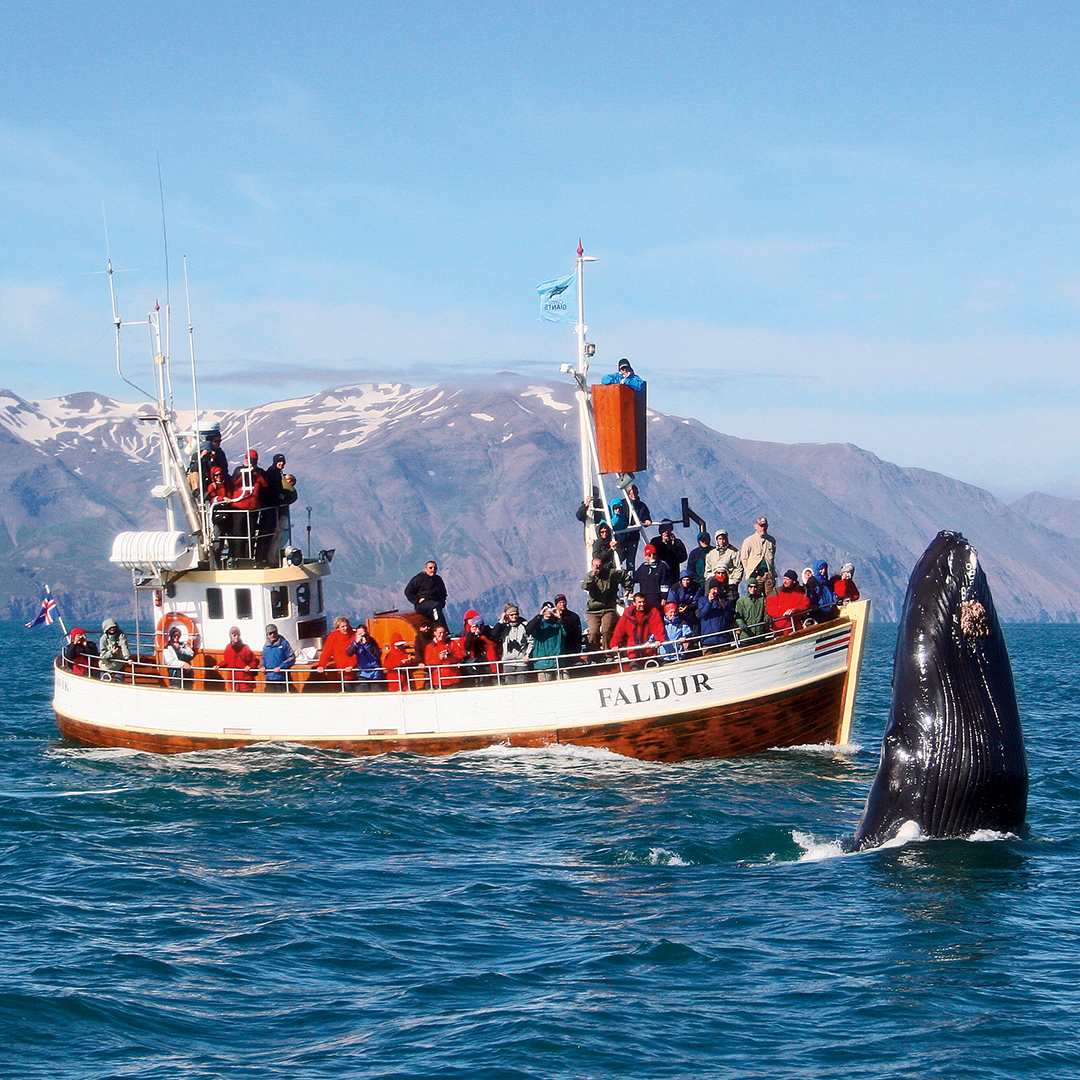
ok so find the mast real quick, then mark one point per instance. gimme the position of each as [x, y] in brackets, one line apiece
[173, 488]
[590, 473]
[582, 372]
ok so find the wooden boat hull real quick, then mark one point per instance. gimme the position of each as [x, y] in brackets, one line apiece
[806, 715]
[793, 691]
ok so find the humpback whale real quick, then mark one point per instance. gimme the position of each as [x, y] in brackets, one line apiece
[952, 760]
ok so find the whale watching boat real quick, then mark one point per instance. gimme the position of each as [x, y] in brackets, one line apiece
[203, 574]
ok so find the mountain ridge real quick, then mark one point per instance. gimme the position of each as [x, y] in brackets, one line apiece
[482, 475]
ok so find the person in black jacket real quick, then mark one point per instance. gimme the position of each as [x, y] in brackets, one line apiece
[81, 654]
[669, 549]
[427, 594]
[653, 578]
[605, 547]
[571, 627]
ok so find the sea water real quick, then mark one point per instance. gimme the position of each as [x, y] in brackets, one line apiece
[283, 912]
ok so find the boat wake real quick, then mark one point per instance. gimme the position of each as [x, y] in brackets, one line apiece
[555, 752]
[824, 749]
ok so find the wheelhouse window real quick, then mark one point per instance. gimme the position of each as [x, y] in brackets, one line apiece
[303, 600]
[318, 586]
[243, 603]
[215, 604]
[279, 602]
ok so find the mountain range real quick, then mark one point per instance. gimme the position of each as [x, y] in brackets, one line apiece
[483, 476]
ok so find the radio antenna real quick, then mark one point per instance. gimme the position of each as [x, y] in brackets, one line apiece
[116, 318]
[168, 305]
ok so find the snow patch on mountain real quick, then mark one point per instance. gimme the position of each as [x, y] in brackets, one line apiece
[546, 397]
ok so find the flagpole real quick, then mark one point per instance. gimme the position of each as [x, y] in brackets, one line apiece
[582, 395]
[583, 370]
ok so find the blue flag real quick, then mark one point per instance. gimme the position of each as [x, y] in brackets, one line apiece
[554, 305]
[45, 616]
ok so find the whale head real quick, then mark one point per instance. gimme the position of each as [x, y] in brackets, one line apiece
[952, 760]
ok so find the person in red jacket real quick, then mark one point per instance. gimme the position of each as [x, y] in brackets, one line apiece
[843, 585]
[787, 604]
[640, 625]
[240, 662]
[334, 651]
[248, 495]
[394, 659]
[442, 657]
[219, 499]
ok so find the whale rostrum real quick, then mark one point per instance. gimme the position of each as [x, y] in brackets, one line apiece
[952, 759]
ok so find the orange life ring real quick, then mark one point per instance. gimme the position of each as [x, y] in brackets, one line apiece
[176, 618]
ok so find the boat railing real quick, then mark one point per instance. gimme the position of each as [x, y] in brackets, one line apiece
[146, 667]
[247, 538]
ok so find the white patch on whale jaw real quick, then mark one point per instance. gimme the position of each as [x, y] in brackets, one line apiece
[909, 830]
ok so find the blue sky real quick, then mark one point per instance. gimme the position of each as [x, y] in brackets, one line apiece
[815, 221]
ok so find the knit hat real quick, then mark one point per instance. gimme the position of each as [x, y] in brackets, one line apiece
[847, 568]
[470, 614]
[703, 536]
[511, 609]
[476, 621]
[791, 574]
[77, 631]
[251, 455]
[279, 457]
[671, 606]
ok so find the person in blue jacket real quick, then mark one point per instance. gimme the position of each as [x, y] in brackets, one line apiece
[679, 632]
[695, 562]
[277, 658]
[716, 612]
[686, 595]
[624, 376]
[823, 595]
[368, 653]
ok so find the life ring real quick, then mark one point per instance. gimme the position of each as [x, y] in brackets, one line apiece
[176, 618]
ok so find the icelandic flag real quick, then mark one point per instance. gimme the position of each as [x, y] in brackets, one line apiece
[553, 299]
[45, 616]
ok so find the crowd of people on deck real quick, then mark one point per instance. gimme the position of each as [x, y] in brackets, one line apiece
[671, 605]
[674, 604]
[249, 508]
